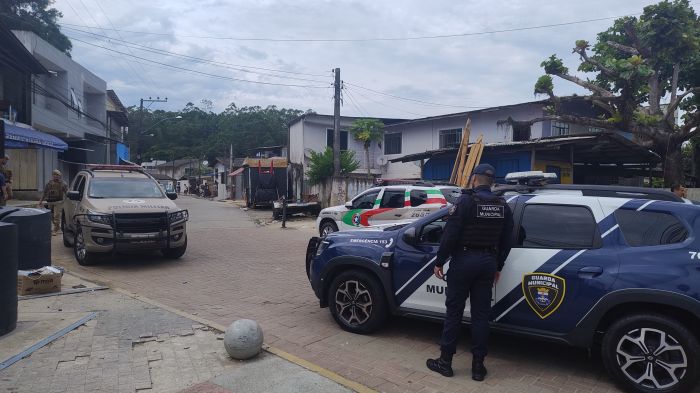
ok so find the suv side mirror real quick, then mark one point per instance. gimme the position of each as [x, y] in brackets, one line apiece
[171, 195]
[73, 195]
[409, 236]
[348, 205]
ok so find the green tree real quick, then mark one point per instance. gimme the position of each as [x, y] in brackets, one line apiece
[367, 131]
[35, 16]
[638, 63]
[321, 164]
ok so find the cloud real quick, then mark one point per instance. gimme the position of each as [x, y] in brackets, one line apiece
[479, 70]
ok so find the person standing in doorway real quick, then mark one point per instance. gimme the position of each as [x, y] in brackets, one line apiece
[478, 239]
[54, 192]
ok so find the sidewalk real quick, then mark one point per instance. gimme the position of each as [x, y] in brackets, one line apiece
[134, 346]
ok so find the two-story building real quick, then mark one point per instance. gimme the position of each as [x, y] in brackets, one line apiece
[30, 150]
[68, 102]
[117, 128]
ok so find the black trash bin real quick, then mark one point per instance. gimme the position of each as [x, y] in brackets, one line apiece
[8, 277]
[33, 235]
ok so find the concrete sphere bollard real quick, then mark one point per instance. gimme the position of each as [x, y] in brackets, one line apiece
[243, 339]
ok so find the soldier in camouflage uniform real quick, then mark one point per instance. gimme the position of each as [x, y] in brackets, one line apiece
[7, 174]
[54, 192]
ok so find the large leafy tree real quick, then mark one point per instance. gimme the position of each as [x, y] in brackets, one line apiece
[36, 16]
[647, 71]
[367, 131]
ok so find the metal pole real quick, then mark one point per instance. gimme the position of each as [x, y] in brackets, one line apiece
[336, 124]
[284, 212]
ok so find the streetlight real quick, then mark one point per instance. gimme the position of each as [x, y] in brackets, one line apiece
[158, 122]
[143, 133]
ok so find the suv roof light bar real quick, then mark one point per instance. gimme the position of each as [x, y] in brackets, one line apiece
[530, 178]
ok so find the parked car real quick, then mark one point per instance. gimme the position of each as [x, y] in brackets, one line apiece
[379, 206]
[612, 273]
[114, 208]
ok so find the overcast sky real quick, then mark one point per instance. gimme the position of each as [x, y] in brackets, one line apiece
[467, 71]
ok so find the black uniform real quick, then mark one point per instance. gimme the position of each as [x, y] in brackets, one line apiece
[478, 238]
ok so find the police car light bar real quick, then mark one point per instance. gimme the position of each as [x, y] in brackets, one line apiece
[530, 177]
[100, 167]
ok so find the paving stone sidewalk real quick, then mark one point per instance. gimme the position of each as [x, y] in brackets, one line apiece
[133, 346]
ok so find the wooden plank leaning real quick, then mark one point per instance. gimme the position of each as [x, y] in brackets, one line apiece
[463, 148]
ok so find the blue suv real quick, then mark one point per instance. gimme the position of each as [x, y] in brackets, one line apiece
[614, 273]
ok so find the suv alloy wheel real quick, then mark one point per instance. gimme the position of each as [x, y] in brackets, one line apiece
[651, 353]
[82, 255]
[357, 302]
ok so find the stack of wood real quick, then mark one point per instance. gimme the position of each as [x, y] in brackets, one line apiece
[468, 157]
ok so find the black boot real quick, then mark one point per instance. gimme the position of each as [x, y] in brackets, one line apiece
[478, 370]
[440, 366]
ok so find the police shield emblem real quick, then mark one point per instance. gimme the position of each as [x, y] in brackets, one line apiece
[543, 292]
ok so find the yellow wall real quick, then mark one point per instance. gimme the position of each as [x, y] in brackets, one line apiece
[567, 172]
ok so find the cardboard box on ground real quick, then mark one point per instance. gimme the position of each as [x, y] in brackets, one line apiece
[34, 282]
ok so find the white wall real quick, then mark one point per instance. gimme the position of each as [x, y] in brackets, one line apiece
[424, 135]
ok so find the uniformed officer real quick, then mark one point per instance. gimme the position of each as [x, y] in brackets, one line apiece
[478, 238]
[7, 174]
[54, 192]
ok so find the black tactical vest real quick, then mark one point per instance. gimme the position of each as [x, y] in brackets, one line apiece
[485, 222]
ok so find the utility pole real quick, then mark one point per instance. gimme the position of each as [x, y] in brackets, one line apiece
[136, 140]
[336, 124]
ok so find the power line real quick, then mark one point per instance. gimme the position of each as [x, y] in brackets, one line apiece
[145, 48]
[387, 105]
[354, 102]
[200, 72]
[412, 99]
[145, 73]
[413, 38]
[126, 71]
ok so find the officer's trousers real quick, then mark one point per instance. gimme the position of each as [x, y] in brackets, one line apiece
[470, 274]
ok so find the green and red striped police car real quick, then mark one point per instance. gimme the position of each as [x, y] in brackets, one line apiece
[387, 205]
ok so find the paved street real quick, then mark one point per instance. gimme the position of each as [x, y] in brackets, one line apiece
[236, 269]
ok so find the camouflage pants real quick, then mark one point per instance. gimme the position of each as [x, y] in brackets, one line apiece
[56, 208]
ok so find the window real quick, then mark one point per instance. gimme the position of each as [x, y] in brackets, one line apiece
[392, 143]
[645, 228]
[79, 185]
[122, 188]
[393, 199]
[450, 138]
[559, 128]
[418, 197]
[553, 226]
[343, 139]
[366, 200]
[432, 232]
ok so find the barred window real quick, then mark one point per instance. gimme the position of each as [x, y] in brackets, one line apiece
[559, 128]
[450, 138]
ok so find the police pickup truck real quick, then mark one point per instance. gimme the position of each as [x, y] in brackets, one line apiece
[121, 208]
[614, 269]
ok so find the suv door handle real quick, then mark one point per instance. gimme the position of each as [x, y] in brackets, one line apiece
[398, 215]
[590, 271]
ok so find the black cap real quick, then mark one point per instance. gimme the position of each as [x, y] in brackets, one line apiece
[485, 169]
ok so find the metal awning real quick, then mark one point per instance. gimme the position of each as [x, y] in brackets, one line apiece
[589, 148]
[25, 136]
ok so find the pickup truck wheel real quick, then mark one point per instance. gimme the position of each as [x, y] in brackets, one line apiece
[651, 353]
[82, 255]
[175, 253]
[66, 241]
[327, 227]
[357, 302]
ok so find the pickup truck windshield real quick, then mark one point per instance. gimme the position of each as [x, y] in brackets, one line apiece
[125, 188]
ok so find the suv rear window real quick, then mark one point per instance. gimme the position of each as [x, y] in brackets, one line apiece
[646, 228]
[418, 197]
[558, 226]
[393, 199]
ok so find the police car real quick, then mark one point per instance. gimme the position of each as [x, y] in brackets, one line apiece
[620, 274]
[386, 205]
